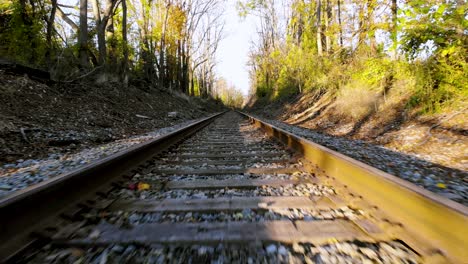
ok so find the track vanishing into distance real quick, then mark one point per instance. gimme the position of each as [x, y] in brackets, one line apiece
[230, 189]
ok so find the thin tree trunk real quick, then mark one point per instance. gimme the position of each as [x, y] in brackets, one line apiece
[101, 44]
[187, 77]
[185, 70]
[27, 20]
[362, 24]
[394, 28]
[179, 65]
[203, 89]
[83, 35]
[370, 25]
[340, 24]
[50, 29]
[162, 50]
[192, 83]
[319, 28]
[124, 43]
[145, 48]
[100, 30]
[328, 18]
[111, 55]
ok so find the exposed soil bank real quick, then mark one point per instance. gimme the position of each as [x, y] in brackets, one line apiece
[441, 138]
[37, 120]
[430, 151]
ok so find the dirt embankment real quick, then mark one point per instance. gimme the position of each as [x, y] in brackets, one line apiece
[37, 120]
[383, 120]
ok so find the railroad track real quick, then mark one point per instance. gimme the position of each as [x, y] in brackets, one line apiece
[222, 190]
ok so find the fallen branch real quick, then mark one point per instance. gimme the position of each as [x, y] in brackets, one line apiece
[23, 134]
[142, 116]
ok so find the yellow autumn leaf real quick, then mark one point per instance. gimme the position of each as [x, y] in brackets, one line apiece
[143, 186]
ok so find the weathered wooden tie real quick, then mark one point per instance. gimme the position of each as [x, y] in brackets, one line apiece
[316, 232]
[223, 204]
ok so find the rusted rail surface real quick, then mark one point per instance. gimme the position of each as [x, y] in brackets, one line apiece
[224, 166]
[424, 220]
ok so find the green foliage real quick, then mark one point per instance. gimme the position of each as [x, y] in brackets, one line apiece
[371, 72]
[435, 38]
[23, 39]
[441, 84]
[431, 77]
[6, 7]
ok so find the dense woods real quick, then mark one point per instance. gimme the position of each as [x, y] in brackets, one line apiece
[168, 44]
[354, 50]
[359, 50]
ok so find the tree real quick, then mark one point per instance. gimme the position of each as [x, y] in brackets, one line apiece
[432, 34]
[124, 44]
[83, 37]
[176, 47]
[319, 27]
[50, 31]
[328, 19]
[103, 24]
[340, 27]
[394, 29]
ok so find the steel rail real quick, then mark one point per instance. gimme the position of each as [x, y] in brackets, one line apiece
[422, 217]
[38, 206]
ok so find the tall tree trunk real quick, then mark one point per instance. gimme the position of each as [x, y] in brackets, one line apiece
[362, 24]
[101, 35]
[203, 86]
[298, 28]
[394, 28]
[27, 22]
[162, 64]
[111, 55]
[179, 65]
[185, 69]
[50, 29]
[145, 47]
[319, 28]
[192, 83]
[371, 5]
[125, 44]
[328, 19]
[100, 31]
[83, 35]
[340, 24]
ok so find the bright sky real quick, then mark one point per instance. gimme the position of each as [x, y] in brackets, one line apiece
[233, 50]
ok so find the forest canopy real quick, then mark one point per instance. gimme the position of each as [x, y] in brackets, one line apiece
[340, 47]
[170, 44]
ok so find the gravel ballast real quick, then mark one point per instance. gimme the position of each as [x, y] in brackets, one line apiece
[24, 173]
[339, 252]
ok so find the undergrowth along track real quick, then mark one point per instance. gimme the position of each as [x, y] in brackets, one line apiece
[428, 222]
[231, 193]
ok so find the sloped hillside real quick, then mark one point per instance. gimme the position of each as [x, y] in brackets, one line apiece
[37, 119]
[385, 120]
